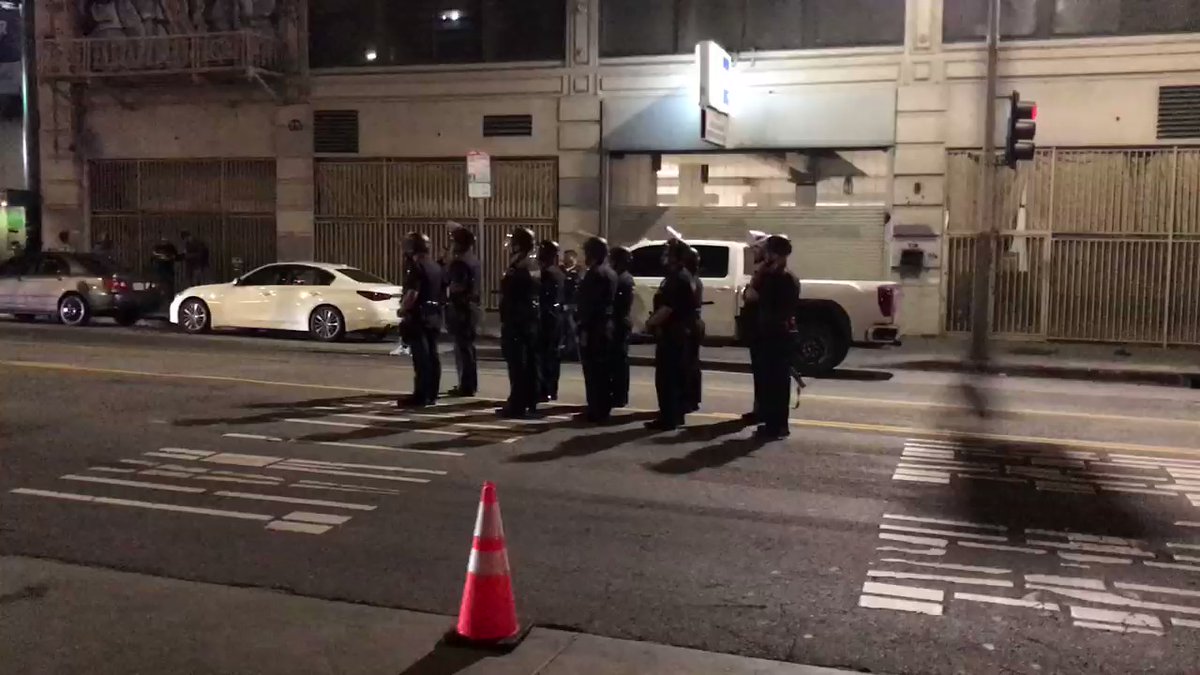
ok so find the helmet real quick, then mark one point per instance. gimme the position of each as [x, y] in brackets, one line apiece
[416, 243]
[778, 245]
[521, 240]
[621, 257]
[595, 250]
[547, 251]
[691, 259]
[462, 239]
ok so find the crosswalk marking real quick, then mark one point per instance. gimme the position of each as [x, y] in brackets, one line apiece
[133, 483]
[295, 500]
[142, 504]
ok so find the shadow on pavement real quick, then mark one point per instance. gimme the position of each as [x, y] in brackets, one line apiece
[708, 457]
[582, 446]
[856, 375]
[706, 433]
[446, 660]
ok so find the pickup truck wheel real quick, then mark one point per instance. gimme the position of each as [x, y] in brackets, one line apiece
[819, 349]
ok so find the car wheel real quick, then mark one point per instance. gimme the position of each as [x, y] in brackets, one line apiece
[819, 348]
[126, 318]
[25, 318]
[326, 324]
[73, 310]
[194, 316]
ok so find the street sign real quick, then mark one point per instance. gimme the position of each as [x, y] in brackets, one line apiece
[715, 68]
[714, 126]
[479, 175]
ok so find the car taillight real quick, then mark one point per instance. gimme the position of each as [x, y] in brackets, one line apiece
[116, 285]
[887, 300]
[375, 297]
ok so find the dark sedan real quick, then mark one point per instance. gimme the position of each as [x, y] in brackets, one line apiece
[73, 288]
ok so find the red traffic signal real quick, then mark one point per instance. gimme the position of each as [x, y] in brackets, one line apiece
[1022, 127]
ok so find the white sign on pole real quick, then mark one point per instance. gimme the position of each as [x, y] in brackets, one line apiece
[716, 76]
[479, 175]
[714, 127]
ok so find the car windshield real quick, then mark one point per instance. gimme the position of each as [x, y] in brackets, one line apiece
[96, 265]
[360, 276]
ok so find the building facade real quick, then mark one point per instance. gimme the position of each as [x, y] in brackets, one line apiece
[847, 119]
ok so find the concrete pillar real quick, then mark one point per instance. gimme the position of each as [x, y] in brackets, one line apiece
[806, 195]
[579, 186]
[632, 181]
[691, 185]
[294, 193]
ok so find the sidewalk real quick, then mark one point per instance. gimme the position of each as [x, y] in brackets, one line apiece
[60, 618]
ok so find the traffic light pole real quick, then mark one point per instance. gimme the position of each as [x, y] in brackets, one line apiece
[986, 243]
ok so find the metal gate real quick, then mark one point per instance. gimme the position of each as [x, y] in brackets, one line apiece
[366, 207]
[228, 203]
[1095, 245]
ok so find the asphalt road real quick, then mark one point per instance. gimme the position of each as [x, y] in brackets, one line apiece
[891, 533]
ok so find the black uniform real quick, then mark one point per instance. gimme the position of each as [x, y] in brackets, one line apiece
[570, 335]
[519, 317]
[622, 329]
[671, 351]
[748, 329]
[463, 315]
[163, 258]
[597, 290]
[694, 380]
[778, 300]
[421, 324]
[550, 329]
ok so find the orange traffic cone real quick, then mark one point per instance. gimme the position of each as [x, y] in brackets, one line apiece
[488, 614]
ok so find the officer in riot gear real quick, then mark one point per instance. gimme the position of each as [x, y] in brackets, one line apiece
[777, 293]
[620, 257]
[463, 312]
[747, 320]
[694, 384]
[421, 319]
[594, 315]
[519, 318]
[673, 324]
[550, 325]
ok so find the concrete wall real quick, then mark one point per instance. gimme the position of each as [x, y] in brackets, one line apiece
[1092, 92]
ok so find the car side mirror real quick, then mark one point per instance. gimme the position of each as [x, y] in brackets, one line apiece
[237, 281]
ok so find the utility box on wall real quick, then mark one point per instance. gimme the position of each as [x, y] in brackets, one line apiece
[915, 249]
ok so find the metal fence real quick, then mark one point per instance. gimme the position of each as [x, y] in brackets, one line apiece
[227, 203]
[366, 207]
[1095, 245]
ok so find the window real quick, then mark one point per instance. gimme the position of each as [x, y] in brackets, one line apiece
[647, 261]
[967, 19]
[303, 275]
[271, 275]
[95, 265]
[714, 262]
[641, 27]
[360, 276]
[13, 267]
[53, 266]
[417, 32]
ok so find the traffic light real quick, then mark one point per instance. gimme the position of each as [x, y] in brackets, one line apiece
[1022, 127]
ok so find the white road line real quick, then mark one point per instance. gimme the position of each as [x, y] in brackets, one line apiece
[1089, 538]
[969, 581]
[111, 469]
[134, 483]
[923, 541]
[1092, 548]
[912, 551]
[185, 452]
[242, 474]
[921, 479]
[255, 437]
[352, 474]
[1102, 598]
[231, 479]
[295, 500]
[1185, 558]
[304, 528]
[1187, 523]
[366, 488]
[349, 425]
[240, 459]
[347, 465]
[1011, 602]
[318, 518]
[1074, 582]
[922, 474]
[1156, 589]
[1184, 623]
[1165, 461]
[1116, 628]
[1125, 476]
[879, 602]
[167, 474]
[941, 533]
[946, 521]
[1172, 566]
[1136, 491]
[1084, 558]
[947, 566]
[138, 462]
[144, 505]
[908, 464]
[335, 488]
[165, 455]
[1190, 547]
[898, 591]
[1115, 616]
[998, 547]
[367, 446]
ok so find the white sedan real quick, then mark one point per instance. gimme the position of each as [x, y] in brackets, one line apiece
[325, 300]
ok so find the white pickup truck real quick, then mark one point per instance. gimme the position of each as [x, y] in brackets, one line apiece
[834, 315]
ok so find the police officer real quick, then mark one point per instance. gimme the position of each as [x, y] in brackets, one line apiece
[519, 317]
[777, 293]
[620, 258]
[672, 324]
[691, 262]
[594, 307]
[421, 319]
[550, 326]
[463, 312]
[748, 321]
[570, 268]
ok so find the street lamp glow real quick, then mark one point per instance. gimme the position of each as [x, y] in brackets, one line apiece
[371, 55]
[451, 15]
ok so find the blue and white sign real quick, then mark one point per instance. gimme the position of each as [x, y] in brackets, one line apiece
[716, 76]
